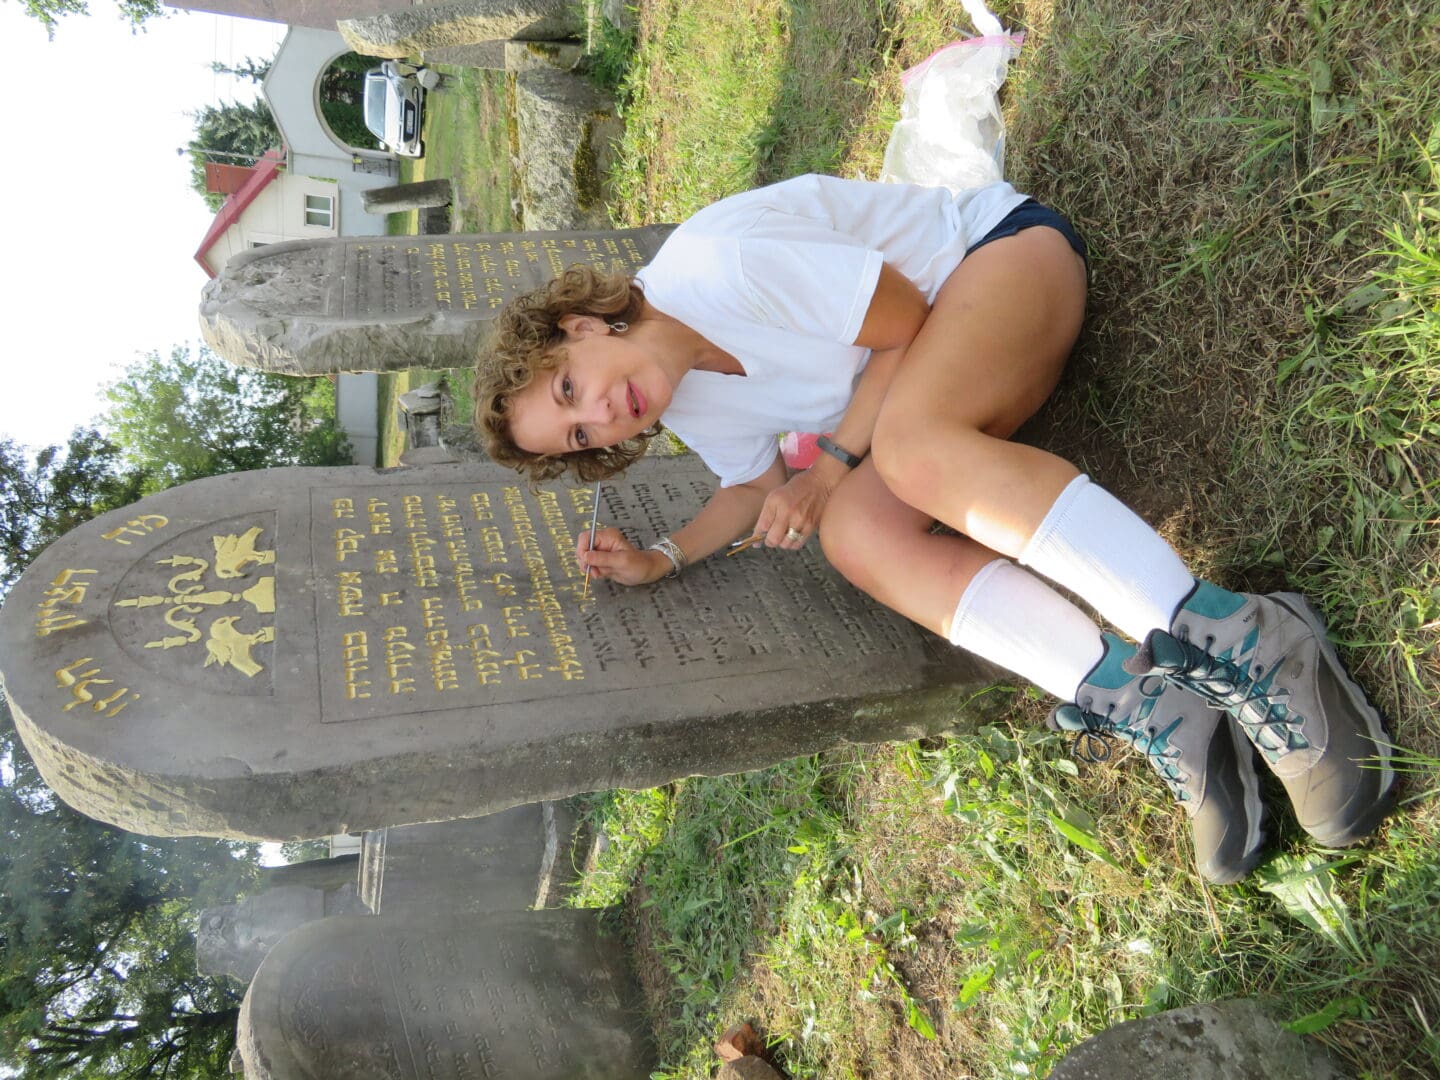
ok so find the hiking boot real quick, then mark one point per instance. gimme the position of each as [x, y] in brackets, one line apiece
[1203, 758]
[1266, 661]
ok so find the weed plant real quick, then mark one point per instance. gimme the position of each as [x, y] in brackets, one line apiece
[1258, 184]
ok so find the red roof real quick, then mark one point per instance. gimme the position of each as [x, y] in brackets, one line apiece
[264, 171]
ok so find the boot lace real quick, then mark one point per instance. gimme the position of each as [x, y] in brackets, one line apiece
[1093, 743]
[1246, 693]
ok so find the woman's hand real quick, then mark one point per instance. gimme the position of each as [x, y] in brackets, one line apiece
[618, 560]
[797, 505]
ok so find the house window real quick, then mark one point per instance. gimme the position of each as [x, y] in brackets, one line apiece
[320, 210]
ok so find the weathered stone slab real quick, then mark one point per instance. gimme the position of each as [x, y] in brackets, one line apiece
[301, 652]
[232, 939]
[567, 128]
[311, 307]
[542, 55]
[465, 22]
[1236, 1040]
[489, 55]
[539, 995]
[515, 860]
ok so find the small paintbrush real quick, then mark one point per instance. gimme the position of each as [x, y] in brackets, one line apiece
[594, 517]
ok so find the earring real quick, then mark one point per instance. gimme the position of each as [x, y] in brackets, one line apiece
[619, 326]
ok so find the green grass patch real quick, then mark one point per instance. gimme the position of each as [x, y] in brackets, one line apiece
[466, 141]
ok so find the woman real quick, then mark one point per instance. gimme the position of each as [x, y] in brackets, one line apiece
[922, 329]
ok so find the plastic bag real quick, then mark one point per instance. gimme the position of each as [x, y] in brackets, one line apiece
[950, 133]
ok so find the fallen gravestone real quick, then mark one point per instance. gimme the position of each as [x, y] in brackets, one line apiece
[375, 303]
[515, 860]
[232, 939]
[301, 652]
[533, 994]
[1227, 1040]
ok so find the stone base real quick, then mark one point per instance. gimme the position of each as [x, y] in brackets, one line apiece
[1233, 1040]
[566, 129]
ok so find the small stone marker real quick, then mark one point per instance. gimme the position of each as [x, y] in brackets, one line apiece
[534, 994]
[301, 652]
[376, 303]
[1233, 1040]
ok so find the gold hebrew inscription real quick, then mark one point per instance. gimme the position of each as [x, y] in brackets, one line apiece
[55, 612]
[79, 684]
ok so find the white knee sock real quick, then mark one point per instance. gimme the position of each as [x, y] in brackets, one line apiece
[1014, 619]
[1100, 549]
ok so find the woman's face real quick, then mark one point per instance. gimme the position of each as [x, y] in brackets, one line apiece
[604, 391]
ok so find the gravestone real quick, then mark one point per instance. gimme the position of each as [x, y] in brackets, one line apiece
[534, 994]
[232, 939]
[376, 303]
[440, 24]
[1234, 1040]
[300, 652]
[511, 861]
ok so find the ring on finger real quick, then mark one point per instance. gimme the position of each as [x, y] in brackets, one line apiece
[794, 534]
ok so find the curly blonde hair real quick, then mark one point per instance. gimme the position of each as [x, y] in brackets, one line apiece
[526, 340]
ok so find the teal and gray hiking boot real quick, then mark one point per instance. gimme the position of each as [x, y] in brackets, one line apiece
[1266, 661]
[1203, 758]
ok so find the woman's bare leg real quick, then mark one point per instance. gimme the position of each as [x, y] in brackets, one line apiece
[988, 356]
[885, 548]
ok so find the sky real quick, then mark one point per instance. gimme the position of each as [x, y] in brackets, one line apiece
[101, 223]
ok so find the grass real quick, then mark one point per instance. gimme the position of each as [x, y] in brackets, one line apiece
[1259, 186]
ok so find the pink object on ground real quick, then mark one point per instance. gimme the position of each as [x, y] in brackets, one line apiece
[799, 449]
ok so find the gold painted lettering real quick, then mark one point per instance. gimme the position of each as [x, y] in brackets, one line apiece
[140, 526]
[343, 508]
[79, 683]
[347, 542]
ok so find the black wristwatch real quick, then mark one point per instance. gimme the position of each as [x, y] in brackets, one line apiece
[839, 453]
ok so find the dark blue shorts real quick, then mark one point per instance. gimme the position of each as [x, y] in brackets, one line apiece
[1031, 213]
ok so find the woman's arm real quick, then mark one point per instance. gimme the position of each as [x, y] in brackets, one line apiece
[897, 311]
[726, 516]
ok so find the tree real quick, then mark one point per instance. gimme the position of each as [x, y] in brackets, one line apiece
[97, 950]
[42, 500]
[236, 132]
[50, 12]
[185, 416]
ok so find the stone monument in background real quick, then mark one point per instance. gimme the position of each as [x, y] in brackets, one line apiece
[379, 303]
[302, 652]
[232, 939]
[537, 994]
[515, 860]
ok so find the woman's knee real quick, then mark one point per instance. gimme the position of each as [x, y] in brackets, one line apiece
[911, 453]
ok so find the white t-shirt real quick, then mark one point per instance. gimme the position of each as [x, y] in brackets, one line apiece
[781, 278]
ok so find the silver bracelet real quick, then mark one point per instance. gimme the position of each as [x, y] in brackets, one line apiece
[671, 551]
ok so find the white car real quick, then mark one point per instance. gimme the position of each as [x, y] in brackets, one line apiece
[395, 105]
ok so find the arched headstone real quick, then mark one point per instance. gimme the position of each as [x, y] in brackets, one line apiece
[303, 652]
[541, 995]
